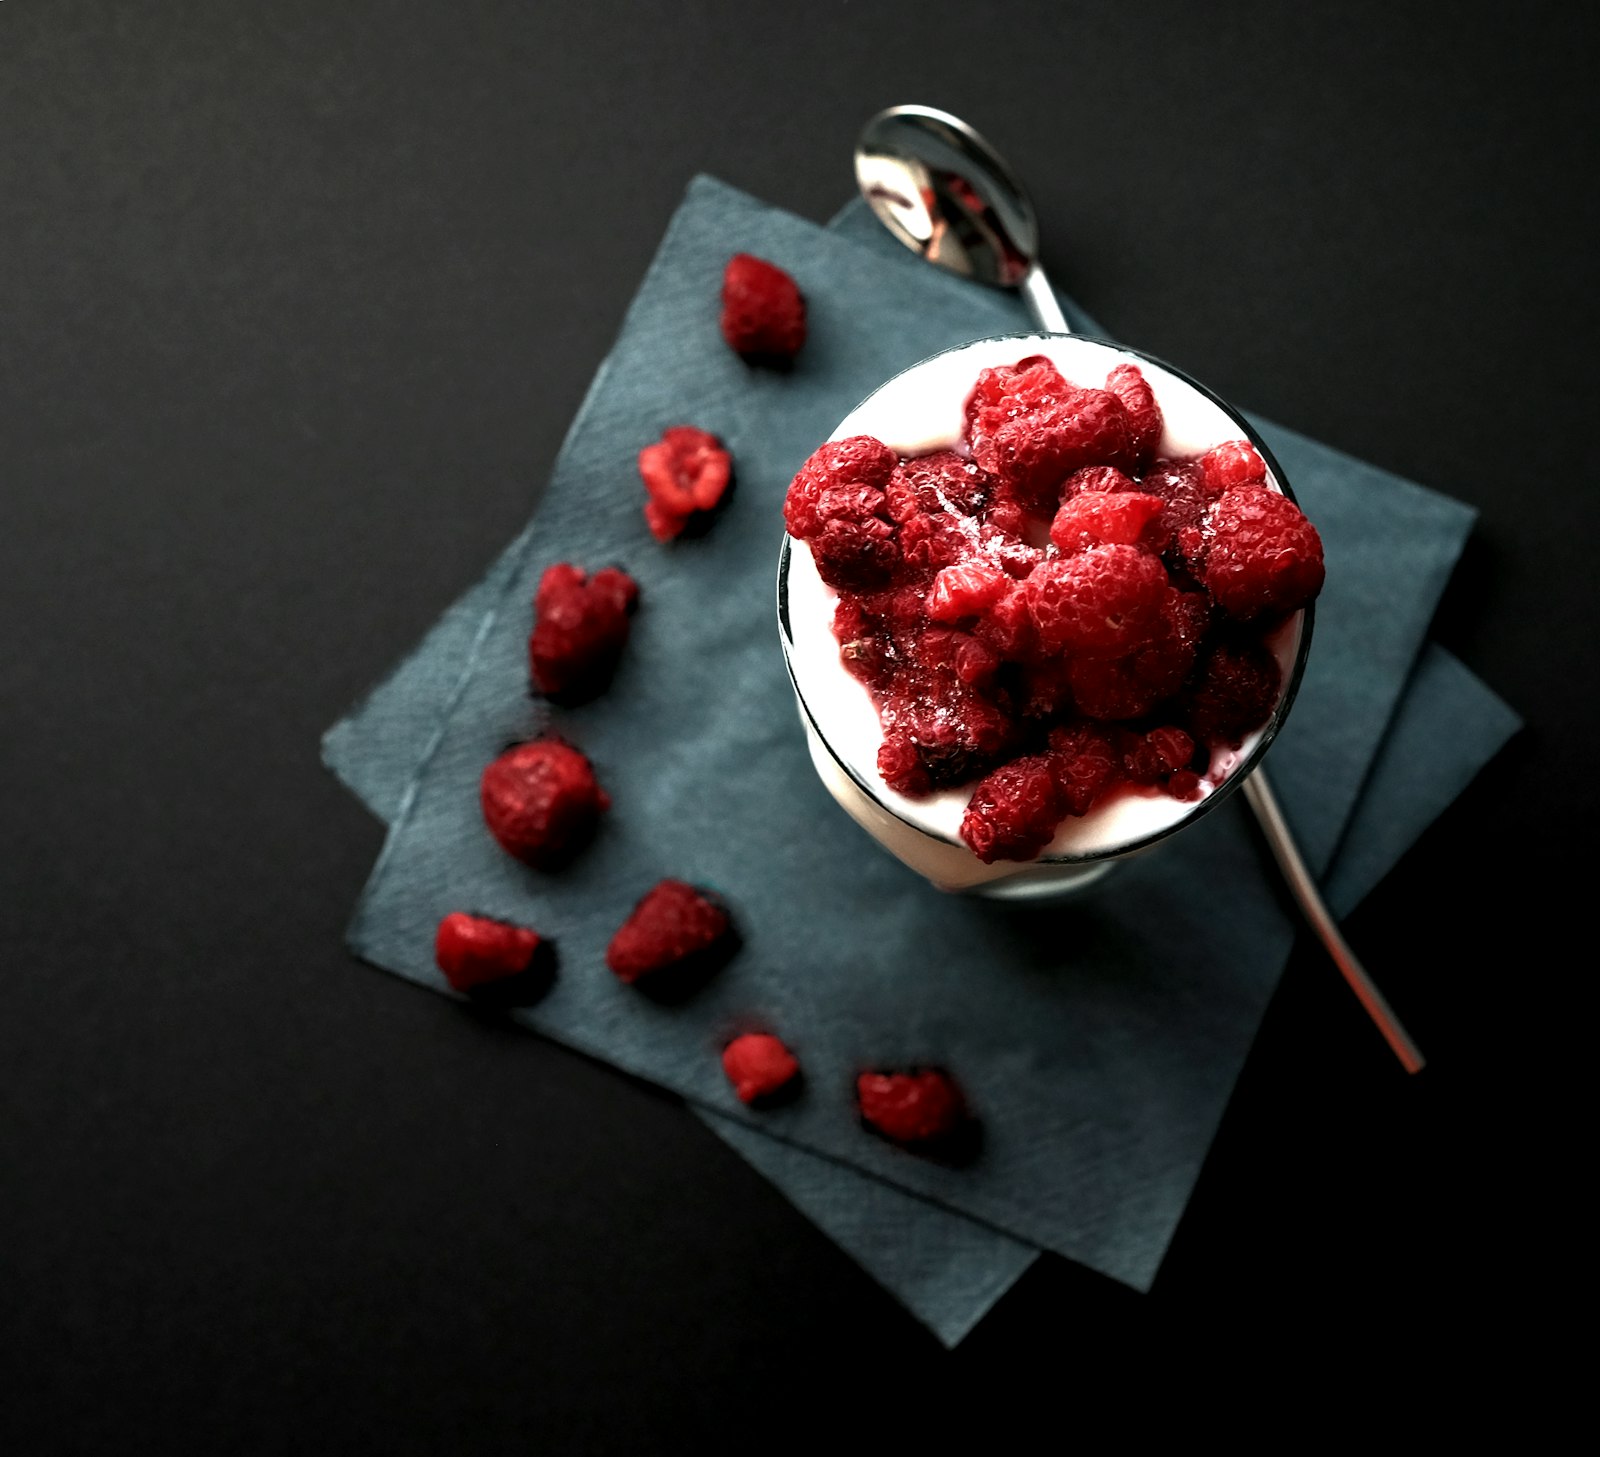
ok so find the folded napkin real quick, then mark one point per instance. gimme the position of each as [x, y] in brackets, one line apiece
[1108, 1090]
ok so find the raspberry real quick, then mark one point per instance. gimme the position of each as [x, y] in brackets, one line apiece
[763, 310]
[1181, 484]
[901, 765]
[976, 663]
[1014, 811]
[965, 590]
[1109, 689]
[837, 503]
[1035, 453]
[1015, 558]
[938, 481]
[1086, 764]
[1007, 625]
[1100, 603]
[686, 473]
[1185, 784]
[929, 543]
[1261, 554]
[1006, 515]
[580, 628]
[758, 1065]
[1030, 428]
[1121, 688]
[541, 802]
[1235, 691]
[1235, 463]
[473, 951]
[1145, 424]
[1150, 758]
[1047, 687]
[1009, 390]
[918, 1107]
[1096, 478]
[1104, 518]
[856, 554]
[674, 928]
[954, 732]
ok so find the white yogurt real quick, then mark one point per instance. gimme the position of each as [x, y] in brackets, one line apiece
[923, 410]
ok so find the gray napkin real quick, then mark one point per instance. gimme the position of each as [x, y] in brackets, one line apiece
[1098, 1192]
[946, 1269]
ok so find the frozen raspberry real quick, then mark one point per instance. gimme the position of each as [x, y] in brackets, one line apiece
[837, 503]
[855, 553]
[1097, 478]
[1006, 515]
[541, 802]
[672, 929]
[1035, 453]
[1235, 690]
[954, 732]
[1014, 811]
[473, 951]
[1030, 428]
[900, 764]
[1007, 625]
[857, 461]
[866, 653]
[965, 590]
[1129, 687]
[1145, 424]
[763, 310]
[580, 628]
[976, 663]
[1152, 757]
[1003, 393]
[1086, 764]
[758, 1066]
[1105, 518]
[1184, 784]
[1046, 688]
[1235, 463]
[938, 481]
[929, 542]
[686, 473]
[899, 611]
[1261, 554]
[1016, 558]
[1100, 603]
[918, 1107]
[1181, 484]
[1109, 689]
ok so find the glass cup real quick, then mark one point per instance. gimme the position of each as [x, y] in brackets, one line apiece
[922, 409]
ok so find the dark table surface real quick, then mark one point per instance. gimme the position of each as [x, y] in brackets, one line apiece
[296, 301]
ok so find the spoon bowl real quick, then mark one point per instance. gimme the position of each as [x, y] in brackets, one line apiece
[945, 193]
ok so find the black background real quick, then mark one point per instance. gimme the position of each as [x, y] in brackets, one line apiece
[296, 301]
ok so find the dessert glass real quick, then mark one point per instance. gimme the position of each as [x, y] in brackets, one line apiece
[920, 410]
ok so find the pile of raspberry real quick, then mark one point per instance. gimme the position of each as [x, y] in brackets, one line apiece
[1049, 611]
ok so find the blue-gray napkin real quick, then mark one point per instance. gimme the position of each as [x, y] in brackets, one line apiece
[947, 1270]
[1109, 991]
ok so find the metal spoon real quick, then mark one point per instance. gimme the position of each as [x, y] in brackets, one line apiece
[945, 193]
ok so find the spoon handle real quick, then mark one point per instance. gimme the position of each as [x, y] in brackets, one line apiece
[1258, 791]
[1041, 300]
[1046, 310]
